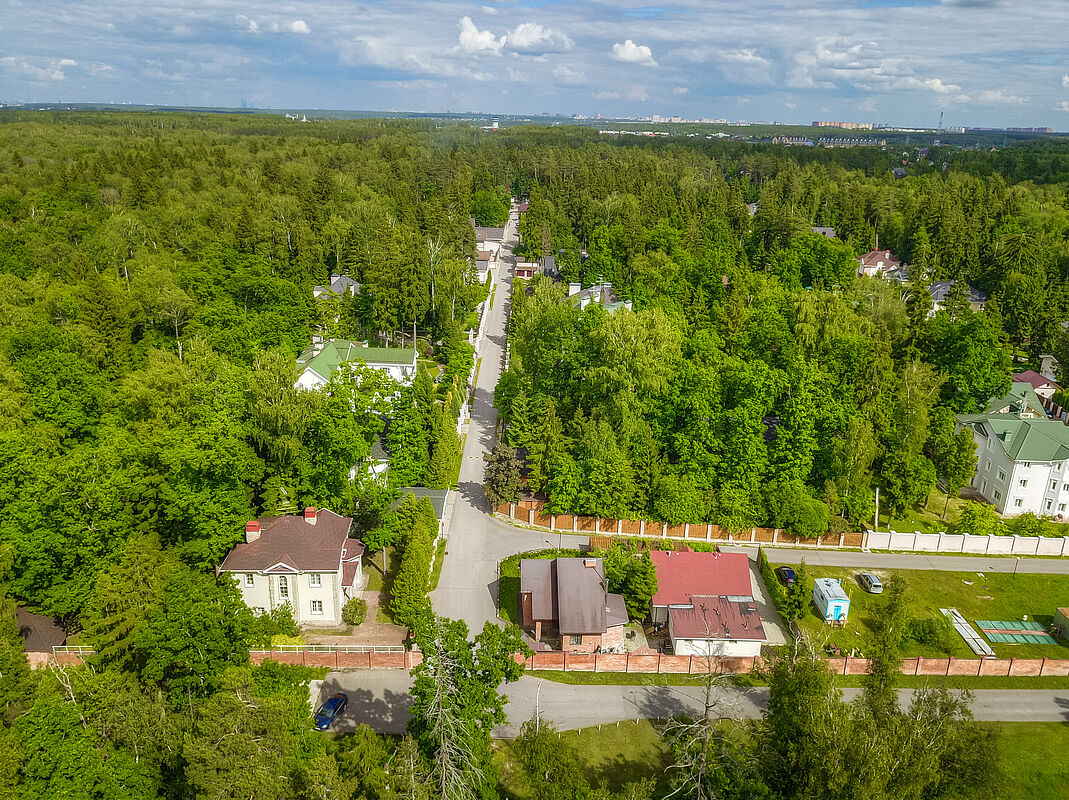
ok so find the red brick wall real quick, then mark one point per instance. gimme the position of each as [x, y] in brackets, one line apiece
[354, 660]
[388, 660]
[964, 666]
[321, 660]
[995, 666]
[932, 666]
[1056, 666]
[642, 663]
[611, 662]
[579, 662]
[614, 637]
[675, 663]
[856, 666]
[548, 661]
[1026, 666]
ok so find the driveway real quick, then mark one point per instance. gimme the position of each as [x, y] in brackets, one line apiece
[833, 558]
[380, 699]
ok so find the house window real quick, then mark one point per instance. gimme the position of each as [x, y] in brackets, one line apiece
[983, 486]
[1054, 486]
[1061, 506]
[1001, 475]
[987, 465]
[1017, 503]
[998, 495]
[1023, 482]
[575, 640]
[258, 611]
[249, 579]
[1027, 464]
[1065, 487]
[1049, 504]
[317, 606]
[283, 586]
[315, 580]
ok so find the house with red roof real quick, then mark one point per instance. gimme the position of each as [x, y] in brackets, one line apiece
[308, 561]
[707, 601]
[1044, 386]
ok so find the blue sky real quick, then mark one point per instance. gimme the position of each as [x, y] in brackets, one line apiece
[981, 62]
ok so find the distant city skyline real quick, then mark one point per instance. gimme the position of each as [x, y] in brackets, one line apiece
[982, 63]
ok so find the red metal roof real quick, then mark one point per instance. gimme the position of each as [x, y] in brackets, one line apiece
[295, 543]
[717, 618]
[682, 574]
[1034, 378]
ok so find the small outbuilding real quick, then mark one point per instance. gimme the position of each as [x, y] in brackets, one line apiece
[831, 600]
[1061, 621]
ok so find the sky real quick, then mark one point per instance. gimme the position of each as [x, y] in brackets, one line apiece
[980, 62]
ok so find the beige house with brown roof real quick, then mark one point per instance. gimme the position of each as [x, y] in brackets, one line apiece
[308, 561]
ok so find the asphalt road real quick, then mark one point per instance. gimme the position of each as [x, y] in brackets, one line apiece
[468, 586]
[380, 699]
[833, 558]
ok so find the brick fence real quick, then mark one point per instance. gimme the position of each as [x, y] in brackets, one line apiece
[534, 513]
[393, 657]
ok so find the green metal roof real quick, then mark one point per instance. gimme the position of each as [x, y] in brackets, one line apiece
[1020, 392]
[1023, 439]
[339, 351]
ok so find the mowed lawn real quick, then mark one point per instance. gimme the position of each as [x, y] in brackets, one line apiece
[996, 597]
[611, 757]
[1032, 759]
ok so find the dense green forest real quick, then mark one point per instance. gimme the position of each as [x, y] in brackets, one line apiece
[759, 381]
[156, 285]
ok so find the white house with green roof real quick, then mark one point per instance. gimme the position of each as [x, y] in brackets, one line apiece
[323, 359]
[1021, 462]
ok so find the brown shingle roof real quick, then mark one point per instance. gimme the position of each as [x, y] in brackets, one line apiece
[295, 543]
[717, 618]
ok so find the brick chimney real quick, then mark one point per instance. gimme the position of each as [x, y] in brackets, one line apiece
[310, 515]
[252, 531]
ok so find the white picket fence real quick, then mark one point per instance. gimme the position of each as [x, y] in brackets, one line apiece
[966, 543]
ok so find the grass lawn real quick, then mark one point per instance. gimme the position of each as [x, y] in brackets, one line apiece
[431, 366]
[509, 583]
[454, 475]
[1031, 759]
[926, 520]
[993, 597]
[436, 567]
[611, 757]
[378, 582]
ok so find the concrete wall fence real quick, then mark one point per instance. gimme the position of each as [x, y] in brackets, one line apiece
[534, 513]
[395, 657]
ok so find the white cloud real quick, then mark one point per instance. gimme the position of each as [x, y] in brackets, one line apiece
[530, 37]
[23, 68]
[1062, 106]
[566, 74]
[247, 24]
[996, 97]
[473, 40]
[635, 93]
[298, 26]
[1065, 81]
[488, 9]
[631, 53]
[867, 105]
[681, 90]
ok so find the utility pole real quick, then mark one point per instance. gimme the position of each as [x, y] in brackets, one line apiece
[876, 521]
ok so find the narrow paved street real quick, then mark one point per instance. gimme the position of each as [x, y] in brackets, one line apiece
[467, 588]
[380, 699]
[853, 558]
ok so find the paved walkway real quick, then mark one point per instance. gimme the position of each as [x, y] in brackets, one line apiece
[468, 585]
[370, 632]
[380, 699]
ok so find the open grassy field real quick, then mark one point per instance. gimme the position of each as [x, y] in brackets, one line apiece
[1032, 759]
[976, 596]
[611, 757]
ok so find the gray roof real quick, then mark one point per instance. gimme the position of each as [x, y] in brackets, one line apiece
[538, 576]
[339, 284]
[826, 232]
[941, 289]
[489, 234]
[583, 602]
[437, 497]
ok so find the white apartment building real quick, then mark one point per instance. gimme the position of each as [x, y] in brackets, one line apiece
[308, 561]
[1021, 463]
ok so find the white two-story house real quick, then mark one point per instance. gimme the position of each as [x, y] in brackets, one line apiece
[324, 358]
[308, 561]
[1021, 463]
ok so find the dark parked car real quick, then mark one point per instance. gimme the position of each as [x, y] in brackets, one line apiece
[330, 710]
[786, 575]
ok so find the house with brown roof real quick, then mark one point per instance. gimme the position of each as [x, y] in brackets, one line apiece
[877, 263]
[1043, 386]
[308, 561]
[569, 599]
[707, 600]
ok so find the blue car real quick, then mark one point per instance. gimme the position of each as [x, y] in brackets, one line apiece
[786, 575]
[330, 710]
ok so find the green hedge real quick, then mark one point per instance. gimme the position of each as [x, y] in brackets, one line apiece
[775, 590]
